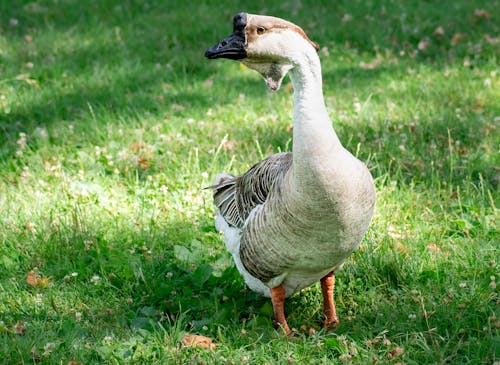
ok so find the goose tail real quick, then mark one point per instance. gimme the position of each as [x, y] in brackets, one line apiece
[224, 191]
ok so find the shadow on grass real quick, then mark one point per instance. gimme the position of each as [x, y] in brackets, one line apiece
[115, 35]
[112, 61]
[127, 277]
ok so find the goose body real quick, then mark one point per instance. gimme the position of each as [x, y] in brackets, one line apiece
[292, 219]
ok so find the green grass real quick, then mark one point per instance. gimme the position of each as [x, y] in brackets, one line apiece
[112, 122]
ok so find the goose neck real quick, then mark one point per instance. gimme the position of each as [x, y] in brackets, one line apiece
[315, 143]
[307, 82]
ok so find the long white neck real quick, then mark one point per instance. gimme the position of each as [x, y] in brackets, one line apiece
[315, 143]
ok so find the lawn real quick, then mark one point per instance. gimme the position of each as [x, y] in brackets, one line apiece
[112, 122]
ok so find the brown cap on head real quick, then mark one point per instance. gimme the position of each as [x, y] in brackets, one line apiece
[255, 24]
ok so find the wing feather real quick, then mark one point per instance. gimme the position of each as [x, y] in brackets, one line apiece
[236, 197]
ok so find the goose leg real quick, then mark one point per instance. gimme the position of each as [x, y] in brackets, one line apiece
[278, 300]
[327, 285]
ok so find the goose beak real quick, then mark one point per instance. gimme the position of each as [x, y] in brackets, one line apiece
[232, 47]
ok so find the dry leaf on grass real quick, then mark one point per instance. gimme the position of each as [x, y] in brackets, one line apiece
[439, 31]
[424, 44]
[373, 65]
[491, 40]
[208, 83]
[198, 341]
[482, 14]
[457, 37]
[35, 355]
[19, 328]
[74, 362]
[395, 352]
[229, 145]
[34, 280]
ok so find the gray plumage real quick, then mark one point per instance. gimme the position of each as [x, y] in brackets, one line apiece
[292, 219]
[237, 196]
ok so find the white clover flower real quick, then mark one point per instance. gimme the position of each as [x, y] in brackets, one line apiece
[123, 155]
[41, 132]
[357, 106]
[48, 348]
[344, 357]
[21, 142]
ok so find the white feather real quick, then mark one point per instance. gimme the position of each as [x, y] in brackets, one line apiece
[232, 239]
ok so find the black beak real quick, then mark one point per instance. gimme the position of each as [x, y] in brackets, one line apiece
[232, 47]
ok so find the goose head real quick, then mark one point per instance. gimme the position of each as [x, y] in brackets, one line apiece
[269, 45]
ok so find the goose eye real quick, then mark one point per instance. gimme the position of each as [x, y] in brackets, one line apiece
[260, 30]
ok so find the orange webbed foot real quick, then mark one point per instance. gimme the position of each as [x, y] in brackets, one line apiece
[327, 286]
[278, 299]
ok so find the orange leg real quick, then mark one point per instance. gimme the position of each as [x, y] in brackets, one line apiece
[327, 285]
[278, 300]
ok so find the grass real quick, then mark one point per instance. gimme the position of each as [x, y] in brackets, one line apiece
[112, 122]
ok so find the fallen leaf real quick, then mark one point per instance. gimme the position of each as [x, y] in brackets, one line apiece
[198, 341]
[35, 355]
[457, 37]
[143, 163]
[208, 83]
[482, 14]
[433, 248]
[424, 44]
[490, 40]
[393, 232]
[370, 65]
[26, 78]
[402, 248]
[34, 280]
[19, 328]
[178, 107]
[439, 31]
[395, 352]
[494, 322]
[229, 145]
[74, 362]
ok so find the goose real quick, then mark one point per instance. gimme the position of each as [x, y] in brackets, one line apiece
[293, 218]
